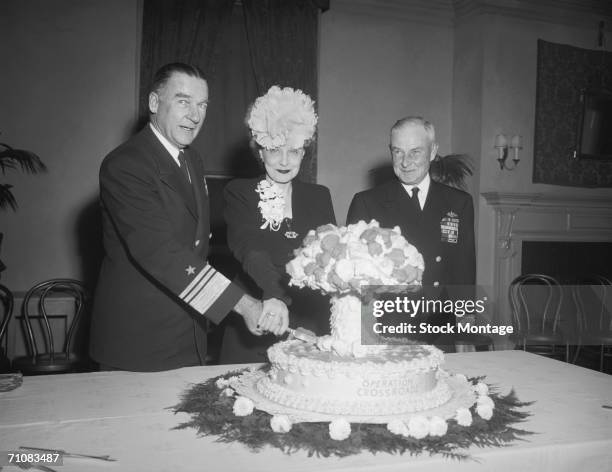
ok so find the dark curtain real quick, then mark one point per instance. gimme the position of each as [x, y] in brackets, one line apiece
[283, 43]
[224, 139]
[179, 31]
[243, 50]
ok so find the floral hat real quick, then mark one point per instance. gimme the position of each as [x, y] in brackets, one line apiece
[282, 116]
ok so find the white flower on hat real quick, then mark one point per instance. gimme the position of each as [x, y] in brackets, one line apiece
[282, 116]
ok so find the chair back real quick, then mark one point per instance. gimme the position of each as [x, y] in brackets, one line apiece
[592, 294]
[536, 304]
[41, 293]
[7, 303]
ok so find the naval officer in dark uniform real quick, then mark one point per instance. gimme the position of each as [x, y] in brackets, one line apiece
[156, 287]
[436, 218]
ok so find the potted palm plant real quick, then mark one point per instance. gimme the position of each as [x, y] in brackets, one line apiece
[11, 158]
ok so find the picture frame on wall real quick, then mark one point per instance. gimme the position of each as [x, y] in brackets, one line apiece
[595, 126]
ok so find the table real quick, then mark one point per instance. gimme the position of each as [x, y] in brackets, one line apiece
[127, 415]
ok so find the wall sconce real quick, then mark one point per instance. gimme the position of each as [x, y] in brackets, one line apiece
[501, 144]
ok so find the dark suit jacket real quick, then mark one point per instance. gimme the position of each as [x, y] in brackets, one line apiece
[263, 255]
[155, 282]
[448, 260]
[443, 232]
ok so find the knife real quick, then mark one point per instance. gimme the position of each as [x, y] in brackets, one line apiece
[68, 454]
[303, 334]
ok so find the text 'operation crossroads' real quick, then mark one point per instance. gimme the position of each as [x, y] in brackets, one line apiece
[425, 307]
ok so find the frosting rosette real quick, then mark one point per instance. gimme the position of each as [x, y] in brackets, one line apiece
[340, 259]
[282, 116]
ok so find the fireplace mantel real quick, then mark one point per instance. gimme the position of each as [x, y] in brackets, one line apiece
[550, 217]
[535, 200]
[540, 217]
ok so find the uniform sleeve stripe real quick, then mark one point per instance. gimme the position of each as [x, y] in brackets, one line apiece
[210, 292]
[196, 280]
[201, 284]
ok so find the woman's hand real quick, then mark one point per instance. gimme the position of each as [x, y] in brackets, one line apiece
[274, 317]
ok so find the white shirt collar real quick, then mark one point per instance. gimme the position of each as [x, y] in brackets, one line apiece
[423, 186]
[171, 148]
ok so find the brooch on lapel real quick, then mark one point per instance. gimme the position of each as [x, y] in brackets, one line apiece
[290, 234]
[449, 228]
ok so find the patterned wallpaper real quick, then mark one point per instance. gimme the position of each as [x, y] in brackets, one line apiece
[563, 72]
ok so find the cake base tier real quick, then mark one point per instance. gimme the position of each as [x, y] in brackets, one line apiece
[461, 395]
[384, 380]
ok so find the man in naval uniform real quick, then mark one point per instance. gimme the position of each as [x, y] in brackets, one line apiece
[436, 218]
[156, 288]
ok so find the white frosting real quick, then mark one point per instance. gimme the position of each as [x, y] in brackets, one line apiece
[339, 405]
[297, 356]
[385, 380]
[345, 323]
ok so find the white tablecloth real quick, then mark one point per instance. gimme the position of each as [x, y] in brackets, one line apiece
[127, 415]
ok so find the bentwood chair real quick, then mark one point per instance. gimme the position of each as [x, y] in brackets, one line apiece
[44, 356]
[6, 301]
[536, 301]
[467, 341]
[593, 298]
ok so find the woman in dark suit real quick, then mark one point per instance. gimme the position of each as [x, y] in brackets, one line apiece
[269, 216]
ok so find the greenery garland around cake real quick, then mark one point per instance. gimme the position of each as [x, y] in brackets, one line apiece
[217, 410]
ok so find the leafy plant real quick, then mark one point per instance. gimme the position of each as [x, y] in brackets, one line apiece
[11, 158]
[452, 170]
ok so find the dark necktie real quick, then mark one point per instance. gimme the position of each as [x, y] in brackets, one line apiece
[183, 165]
[414, 198]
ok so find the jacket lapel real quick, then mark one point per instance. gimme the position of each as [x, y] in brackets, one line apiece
[435, 205]
[299, 208]
[398, 203]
